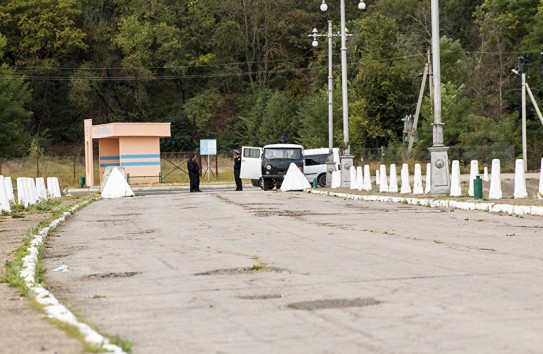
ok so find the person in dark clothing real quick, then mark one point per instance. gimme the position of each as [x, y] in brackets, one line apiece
[194, 173]
[237, 169]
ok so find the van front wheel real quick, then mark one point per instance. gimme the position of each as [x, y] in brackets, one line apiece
[321, 179]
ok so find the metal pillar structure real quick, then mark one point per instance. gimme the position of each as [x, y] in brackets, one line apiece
[330, 160]
[524, 143]
[440, 180]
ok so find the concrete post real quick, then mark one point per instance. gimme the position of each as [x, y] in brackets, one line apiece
[367, 178]
[495, 191]
[383, 184]
[406, 187]
[520, 180]
[456, 189]
[393, 186]
[417, 186]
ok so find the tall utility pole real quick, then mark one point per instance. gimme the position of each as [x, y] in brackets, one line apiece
[346, 158]
[439, 152]
[524, 149]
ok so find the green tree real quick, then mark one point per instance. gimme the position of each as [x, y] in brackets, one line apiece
[279, 119]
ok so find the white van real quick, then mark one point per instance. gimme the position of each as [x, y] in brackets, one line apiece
[315, 164]
[268, 165]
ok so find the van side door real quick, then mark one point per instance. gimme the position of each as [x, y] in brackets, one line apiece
[251, 166]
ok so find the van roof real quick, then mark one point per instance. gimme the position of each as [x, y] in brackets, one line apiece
[283, 146]
[319, 151]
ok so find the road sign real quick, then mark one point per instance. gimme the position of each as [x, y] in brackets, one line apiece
[208, 147]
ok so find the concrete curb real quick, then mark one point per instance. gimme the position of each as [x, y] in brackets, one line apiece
[51, 306]
[442, 203]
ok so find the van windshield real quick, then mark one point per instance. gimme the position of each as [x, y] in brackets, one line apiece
[291, 154]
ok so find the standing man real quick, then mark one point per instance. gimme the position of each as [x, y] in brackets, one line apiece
[237, 169]
[194, 173]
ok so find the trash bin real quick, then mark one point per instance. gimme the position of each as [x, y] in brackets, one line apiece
[315, 183]
[478, 188]
[82, 182]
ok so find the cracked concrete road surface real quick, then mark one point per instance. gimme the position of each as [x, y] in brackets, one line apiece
[255, 271]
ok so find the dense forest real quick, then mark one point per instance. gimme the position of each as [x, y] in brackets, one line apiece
[244, 71]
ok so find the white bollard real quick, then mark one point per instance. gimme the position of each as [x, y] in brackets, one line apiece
[9, 188]
[336, 179]
[359, 178]
[473, 172]
[520, 180]
[393, 186]
[540, 178]
[42, 191]
[406, 187]
[417, 185]
[33, 190]
[27, 193]
[383, 184]
[56, 186]
[428, 188]
[352, 182]
[4, 201]
[20, 191]
[485, 174]
[495, 191]
[456, 188]
[367, 178]
[377, 178]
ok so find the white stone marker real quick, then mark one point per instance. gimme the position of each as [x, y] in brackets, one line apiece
[42, 191]
[428, 188]
[520, 181]
[377, 178]
[9, 188]
[4, 201]
[393, 186]
[20, 191]
[495, 191]
[33, 190]
[417, 185]
[540, 178]
[359, 178]
[352, 182]
[336, 179]
[383, 184]
[485, 174]
[473, 172]
[367, 178]
[406, 187]
[456, 189]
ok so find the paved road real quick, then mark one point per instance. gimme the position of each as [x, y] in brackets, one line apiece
[224, 271]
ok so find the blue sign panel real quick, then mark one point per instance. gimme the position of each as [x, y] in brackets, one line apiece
[208, 147]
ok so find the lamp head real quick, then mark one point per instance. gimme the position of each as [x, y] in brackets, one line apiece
[324, 7]
[315, 43]
[361, 5]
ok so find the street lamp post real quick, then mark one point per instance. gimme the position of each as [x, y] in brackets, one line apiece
[330, 160]
[346, 158]
[440, 181]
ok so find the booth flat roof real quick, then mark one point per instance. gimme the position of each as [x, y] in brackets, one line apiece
[113, 130]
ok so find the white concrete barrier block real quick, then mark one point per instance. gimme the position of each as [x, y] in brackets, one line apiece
[336, 179]
[541, 178]
[406, 187]
[417, 186]
[352, 175]
[393, 186]
[428, 187]
[33, 190]
[20, 191]
[473, 172]
[383, 183]
[367, 178]
[9, 188]
[485, 174]
[456, 187]
[377, 178]
[359, 178]
[495, 191]
[520, 180]
[42, 191]
[57, 187]
[294, 181]
[4, 201]
[117, 187]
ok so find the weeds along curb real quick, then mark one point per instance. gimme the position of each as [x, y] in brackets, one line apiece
[517, 210]
[50, 305]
